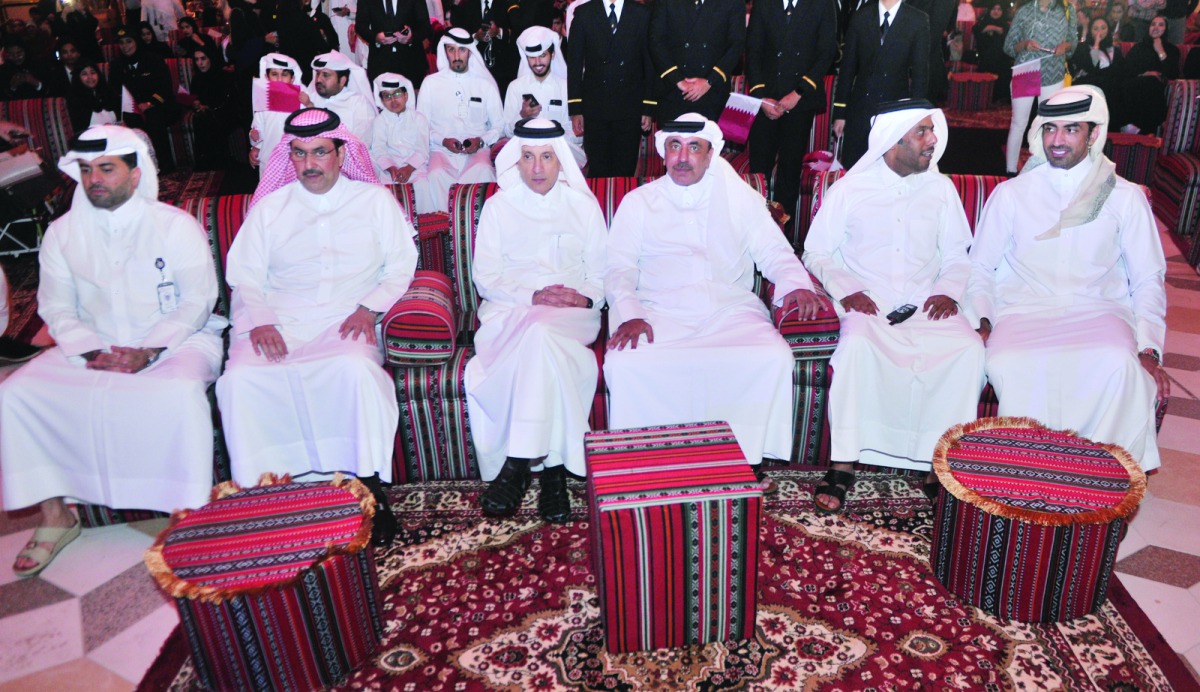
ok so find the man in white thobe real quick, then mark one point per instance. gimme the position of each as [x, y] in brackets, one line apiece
[324, 251]
[341, 17]
[400, 136]
[465, 115]
[681, 257]
[1067, 288]
[890, 246]
[116, 413]
[539, 268]
[540, 89]
[342, 87]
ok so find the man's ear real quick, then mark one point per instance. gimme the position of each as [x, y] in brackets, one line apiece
[135, 176]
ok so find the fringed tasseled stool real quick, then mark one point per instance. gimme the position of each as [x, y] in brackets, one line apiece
[1029, 519]
[675, 513]
[970, 91]
[276, 584]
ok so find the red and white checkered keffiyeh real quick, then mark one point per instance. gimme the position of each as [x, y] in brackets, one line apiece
[280, 171]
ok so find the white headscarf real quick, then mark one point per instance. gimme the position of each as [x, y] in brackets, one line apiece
[536, 132]
[358, 84]
[537, 40]
[1078, 104]
[393, 81]
[709, 130]
[109, 140]
[279, 61]
[475, 66]
[888, 127]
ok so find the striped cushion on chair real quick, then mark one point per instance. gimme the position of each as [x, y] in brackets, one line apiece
[420, 329]
[433, 440]
[1134, 155]
[974, 191]
[47, 121]
[1176, 199]
[821, 136]
[1181, 130]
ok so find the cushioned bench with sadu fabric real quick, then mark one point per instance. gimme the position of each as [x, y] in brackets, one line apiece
[46, 120]
[1030, 519]
[1176, 177]
[276, 585]
[434, 436]
[1135, 155]
[675, 513]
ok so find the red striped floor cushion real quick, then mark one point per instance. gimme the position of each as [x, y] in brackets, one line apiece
[1029, 519]
[275, 585]
[675, 513]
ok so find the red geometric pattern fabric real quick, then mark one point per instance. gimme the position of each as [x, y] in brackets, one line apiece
[420, 329]
[675, 511]
[276, 585]
[1134, 155]
[261, 536]
[1030, 519]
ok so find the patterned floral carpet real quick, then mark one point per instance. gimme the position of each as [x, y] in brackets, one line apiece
[844, 603]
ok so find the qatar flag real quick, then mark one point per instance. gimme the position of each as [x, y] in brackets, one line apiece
[738, 116]
[1027, 79]
[275, 96]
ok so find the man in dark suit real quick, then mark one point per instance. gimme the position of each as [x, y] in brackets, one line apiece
[610, 83]
[487, 20]
[885, 57]
[696, 46]
[523, 14]
[394, 31]
[789, 47]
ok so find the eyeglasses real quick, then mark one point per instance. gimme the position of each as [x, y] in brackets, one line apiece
[317, 154]
[389, 95]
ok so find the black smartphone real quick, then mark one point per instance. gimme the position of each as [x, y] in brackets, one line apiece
[530, 98]
[901, 313]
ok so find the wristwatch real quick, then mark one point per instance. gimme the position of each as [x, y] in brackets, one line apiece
[1153, 353]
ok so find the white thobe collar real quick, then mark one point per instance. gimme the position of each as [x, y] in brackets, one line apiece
[123, 217]
[691, 195]
[325, 202]
[1066, 182]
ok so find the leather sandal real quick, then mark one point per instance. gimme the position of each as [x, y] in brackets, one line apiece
[835, 484]
[503, 495]
[55, 535]
[554, 502]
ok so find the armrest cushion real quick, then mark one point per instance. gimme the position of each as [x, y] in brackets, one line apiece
[420, 329]
[813, 339]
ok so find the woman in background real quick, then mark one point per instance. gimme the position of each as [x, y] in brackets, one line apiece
[1040, 29]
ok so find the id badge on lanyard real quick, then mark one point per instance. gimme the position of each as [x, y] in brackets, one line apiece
[168, 300]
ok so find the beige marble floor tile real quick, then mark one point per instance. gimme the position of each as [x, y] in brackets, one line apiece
[1192, 658]
[1178, 479]
[1179, 433]
[130, 653]
[1169, 525]
[1182, 342]
[80, 675]
[1132, 543]
[40, 639]
[1173, 611]
[1184, 319]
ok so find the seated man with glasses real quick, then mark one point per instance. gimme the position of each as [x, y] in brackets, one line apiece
[324, 251]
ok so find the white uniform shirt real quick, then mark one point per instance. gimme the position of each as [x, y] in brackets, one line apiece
[1113, 263]
[460, 106]
[304, 262]
[99, 285]
[899, 239]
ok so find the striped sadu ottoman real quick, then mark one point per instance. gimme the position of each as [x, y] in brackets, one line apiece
[1029, 518]
[675, 513]
[970, 91]
[275, 584]
[1134, 155]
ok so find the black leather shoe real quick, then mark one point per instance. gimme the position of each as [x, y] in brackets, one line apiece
[383, 529]
[503, 495]
[554, 502]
